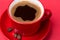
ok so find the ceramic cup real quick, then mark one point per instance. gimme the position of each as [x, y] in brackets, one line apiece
[26, 27]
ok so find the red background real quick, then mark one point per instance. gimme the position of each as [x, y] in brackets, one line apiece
[53, 5]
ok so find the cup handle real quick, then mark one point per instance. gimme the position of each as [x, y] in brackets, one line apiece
[47, 15]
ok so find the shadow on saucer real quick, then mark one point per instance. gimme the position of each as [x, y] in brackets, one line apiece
[49, 34]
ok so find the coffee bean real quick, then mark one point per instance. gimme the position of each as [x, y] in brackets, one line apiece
[19, 37]
[15, 35]
[10, 29]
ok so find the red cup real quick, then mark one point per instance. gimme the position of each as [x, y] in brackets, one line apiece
[26, 28]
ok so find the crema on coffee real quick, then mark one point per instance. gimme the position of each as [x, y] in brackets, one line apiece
[25, 11]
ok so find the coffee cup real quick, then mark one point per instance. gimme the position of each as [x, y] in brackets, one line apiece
[26, 16]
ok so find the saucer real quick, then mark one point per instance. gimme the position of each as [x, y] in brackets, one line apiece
[40, 35]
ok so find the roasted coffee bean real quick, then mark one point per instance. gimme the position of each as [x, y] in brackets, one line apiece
[18, 36]
[10, 29]
[15, 35]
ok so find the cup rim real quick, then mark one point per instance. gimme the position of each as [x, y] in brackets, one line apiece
[35, 2]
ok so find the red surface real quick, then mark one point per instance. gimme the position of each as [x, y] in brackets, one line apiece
[53, 5]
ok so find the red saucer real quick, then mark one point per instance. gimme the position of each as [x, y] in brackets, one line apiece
[40, 35]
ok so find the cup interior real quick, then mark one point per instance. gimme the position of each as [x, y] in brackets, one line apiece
[34, 4]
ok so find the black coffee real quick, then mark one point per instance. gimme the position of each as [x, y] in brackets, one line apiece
[25, 12]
